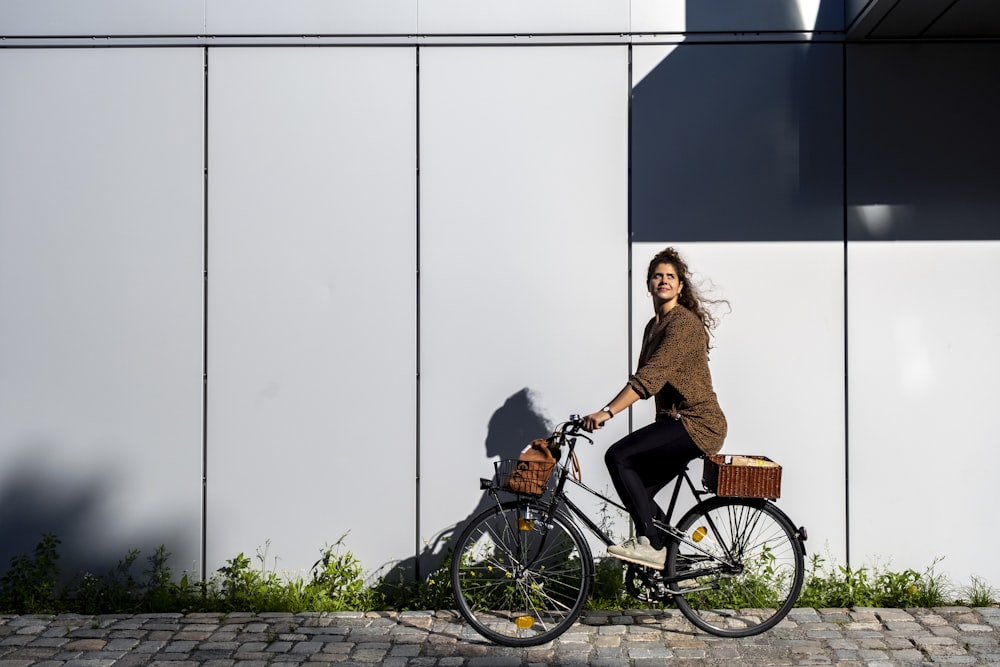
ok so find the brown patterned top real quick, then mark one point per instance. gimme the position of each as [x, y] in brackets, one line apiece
[673, 367]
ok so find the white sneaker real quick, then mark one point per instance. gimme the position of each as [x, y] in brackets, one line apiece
[638, 551]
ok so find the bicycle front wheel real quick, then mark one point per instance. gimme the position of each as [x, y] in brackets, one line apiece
[746, 562]
[520, 579]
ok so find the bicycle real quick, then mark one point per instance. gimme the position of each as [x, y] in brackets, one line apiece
[522, 571]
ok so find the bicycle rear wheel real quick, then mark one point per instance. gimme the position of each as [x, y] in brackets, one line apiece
[520, 581]
[760, 574]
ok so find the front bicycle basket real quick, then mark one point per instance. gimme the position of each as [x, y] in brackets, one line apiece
[525, 477]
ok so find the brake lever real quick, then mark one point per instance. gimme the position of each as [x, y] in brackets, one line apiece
[575, 431]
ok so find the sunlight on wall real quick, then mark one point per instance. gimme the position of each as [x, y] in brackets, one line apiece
[913, 355]
[879, 219]
[808, 13]
[646, 59]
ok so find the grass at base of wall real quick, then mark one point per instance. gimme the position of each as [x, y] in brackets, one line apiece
[336, 582]
[831, 586]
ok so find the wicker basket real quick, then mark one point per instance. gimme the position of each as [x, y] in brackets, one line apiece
[528, 478]
[750, 480]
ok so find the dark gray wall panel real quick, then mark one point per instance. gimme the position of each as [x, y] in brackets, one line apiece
[923, 142]
[737, 143]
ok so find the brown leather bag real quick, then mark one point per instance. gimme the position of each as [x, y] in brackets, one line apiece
[533, 468]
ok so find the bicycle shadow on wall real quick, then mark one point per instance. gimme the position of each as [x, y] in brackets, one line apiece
[511, 427]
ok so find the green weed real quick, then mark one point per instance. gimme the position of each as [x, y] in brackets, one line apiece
[402, 594]
[30, 585]
[978, 593]
[874, 586]
[609, 585]
[336, 583]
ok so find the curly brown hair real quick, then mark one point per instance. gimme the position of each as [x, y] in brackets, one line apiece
[690, 297]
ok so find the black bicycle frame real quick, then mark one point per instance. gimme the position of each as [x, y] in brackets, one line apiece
[559, 498]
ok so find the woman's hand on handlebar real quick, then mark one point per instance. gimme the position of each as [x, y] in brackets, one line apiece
[619, 404]
[595, 420]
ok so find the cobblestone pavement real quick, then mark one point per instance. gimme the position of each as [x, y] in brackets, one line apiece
[870, 637]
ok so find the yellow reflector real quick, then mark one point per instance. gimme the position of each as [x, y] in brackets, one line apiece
[699, 533]
[524, 622]
[525, 524]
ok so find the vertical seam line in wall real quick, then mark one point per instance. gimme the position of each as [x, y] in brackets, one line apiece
[847, 423]
[416, 166]
[204, 324]
[628, 221]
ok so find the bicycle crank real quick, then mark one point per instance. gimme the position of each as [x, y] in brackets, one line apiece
[645, 585]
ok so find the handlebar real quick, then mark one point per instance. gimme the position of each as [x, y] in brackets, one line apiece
[567, 432]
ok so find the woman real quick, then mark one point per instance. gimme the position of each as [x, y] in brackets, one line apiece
[673, 367]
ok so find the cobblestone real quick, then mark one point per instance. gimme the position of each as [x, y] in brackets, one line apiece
[633, 638]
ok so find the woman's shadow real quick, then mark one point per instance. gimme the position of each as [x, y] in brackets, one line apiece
[514, 424]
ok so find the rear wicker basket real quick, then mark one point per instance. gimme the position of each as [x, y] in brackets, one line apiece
[723, 478]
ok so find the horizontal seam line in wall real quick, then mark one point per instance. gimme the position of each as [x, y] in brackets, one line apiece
[441, 39]
[495, 39]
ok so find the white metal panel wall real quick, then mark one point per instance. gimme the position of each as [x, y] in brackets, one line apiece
[924, 349]
[400, 17]
[312, 308]
[678, 16]
[777, 364]
[70, 18]
[523, 153]
[737, 161]
[524, 257]
[924, 324]
[523, 17]
[101, 261]
[309, 18]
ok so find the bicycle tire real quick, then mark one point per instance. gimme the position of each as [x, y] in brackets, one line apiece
[521, 584]
[768, 566]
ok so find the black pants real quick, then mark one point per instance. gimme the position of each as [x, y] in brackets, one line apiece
[644, 462]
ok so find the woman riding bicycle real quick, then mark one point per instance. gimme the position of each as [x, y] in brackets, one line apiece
[673, 367]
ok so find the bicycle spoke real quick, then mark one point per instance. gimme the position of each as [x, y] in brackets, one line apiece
[521, 571]
[756, 577]
[518, 581]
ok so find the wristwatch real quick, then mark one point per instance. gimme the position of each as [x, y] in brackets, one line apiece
[607, 408]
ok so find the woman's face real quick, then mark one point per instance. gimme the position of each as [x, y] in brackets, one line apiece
[664, 284]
